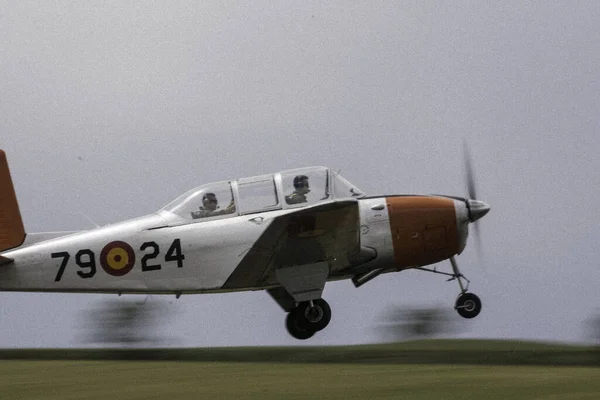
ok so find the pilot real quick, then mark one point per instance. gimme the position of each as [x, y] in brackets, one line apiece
[210, 205]
[300, 190]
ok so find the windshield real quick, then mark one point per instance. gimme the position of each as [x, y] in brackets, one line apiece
[342, 188]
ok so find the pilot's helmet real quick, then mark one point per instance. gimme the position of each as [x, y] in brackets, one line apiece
[209, 197]
[300, 181]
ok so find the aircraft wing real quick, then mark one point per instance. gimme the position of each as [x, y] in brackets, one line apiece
[324, 232]
[5, 260]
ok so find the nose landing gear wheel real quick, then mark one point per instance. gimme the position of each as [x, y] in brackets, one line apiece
[468, 305]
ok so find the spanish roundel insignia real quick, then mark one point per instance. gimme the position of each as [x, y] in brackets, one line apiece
[117, 258]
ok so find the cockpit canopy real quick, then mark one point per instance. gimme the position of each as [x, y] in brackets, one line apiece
[286, 189]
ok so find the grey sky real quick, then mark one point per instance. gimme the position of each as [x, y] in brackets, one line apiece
[113, 110]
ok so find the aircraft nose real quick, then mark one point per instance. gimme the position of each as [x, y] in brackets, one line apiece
[477, 209]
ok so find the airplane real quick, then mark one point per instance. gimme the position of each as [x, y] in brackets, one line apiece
[288, 233]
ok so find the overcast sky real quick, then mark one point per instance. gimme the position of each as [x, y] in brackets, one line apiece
[112, 109]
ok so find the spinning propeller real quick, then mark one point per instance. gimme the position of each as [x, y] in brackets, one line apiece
[476, 209]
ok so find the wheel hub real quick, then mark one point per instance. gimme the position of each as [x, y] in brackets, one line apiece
[313, 314]
[469, 305]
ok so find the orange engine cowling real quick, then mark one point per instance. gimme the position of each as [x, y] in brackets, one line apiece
[424, 229]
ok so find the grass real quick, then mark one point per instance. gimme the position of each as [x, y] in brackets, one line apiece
[205, 380]
[437, 369]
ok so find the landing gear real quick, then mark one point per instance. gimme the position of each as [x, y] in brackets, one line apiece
[294, 325]
[308, 318]
[467, 304]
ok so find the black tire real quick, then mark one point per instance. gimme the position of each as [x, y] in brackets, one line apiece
[468, 305]
[315, 318]
[294, 322]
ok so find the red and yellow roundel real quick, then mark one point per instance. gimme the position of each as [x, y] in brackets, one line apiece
[117, 258]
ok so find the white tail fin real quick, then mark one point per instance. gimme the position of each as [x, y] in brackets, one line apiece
[12, 231]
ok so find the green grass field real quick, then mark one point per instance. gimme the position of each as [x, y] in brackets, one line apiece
[365, 372]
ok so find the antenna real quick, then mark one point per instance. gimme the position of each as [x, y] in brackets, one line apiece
[89, 219]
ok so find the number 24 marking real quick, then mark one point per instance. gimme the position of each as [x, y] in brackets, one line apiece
[173, 254]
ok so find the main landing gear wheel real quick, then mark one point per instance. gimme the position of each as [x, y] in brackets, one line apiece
[315, 316]
[308, 318]
[468, 305]
[295, 326]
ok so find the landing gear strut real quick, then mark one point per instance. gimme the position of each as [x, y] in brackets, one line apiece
[467, 304]
[308, 318]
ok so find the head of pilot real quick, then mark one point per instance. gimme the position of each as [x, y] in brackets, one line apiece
[301, 184]
[209, 201]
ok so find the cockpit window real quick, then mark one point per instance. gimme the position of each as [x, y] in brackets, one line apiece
[207, 201]
[257, 194]
[305, 186]
[288, 189]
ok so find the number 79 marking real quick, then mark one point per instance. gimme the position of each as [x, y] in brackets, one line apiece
[88, 267]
